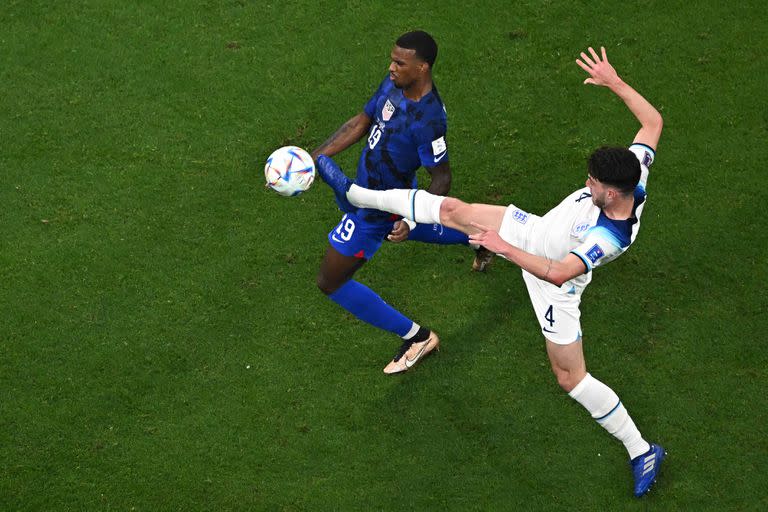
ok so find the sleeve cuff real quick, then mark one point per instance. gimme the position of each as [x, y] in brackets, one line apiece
[584, 261]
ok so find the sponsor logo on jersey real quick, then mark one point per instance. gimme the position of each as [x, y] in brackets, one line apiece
[520, 216]
[595, 253]
[387, 111]
[439, 146]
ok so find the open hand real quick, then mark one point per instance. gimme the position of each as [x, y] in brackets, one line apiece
[600, 70]
[488, 238]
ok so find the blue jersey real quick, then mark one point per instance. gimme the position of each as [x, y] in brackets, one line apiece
[404, 135]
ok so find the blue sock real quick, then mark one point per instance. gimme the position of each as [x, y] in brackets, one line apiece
[437, 234]
[363, 302]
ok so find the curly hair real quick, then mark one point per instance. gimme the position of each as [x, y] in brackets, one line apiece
[615, 166]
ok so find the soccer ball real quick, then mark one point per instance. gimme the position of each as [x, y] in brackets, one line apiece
[289, 171]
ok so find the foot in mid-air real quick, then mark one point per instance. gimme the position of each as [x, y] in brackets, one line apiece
[645, 468]
[483, 258]
[411, 353]
[337, 180]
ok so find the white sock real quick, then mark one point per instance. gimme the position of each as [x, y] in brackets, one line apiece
[606, 408]
[414, 329]
[416, 205]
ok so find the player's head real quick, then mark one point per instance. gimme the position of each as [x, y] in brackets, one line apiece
[412, 58]
[613, 171]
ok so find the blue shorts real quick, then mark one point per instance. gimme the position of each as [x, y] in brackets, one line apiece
[354, 236]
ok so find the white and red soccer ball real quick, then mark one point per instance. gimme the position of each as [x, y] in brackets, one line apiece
[289, 171]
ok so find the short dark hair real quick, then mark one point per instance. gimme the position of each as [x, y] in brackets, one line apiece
[615, 166]
[422, 43]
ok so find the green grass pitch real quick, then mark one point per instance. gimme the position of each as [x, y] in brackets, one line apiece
[162, 342]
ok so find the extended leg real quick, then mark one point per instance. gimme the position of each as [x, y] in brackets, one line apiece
[417, 205]
[605, 407]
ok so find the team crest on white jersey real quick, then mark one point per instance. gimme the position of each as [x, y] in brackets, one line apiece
[520, 216]
[387, 111]
[580, 228]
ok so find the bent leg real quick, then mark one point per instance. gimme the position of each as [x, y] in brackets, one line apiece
[601, 401]
[567, 363]
[336, 269]
[334, 279]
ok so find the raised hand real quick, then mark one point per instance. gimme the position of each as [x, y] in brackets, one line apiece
[600, 70]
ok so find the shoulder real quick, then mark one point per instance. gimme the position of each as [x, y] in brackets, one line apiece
[432, 106]
[644, 153]
[384, 86]
[579, 196]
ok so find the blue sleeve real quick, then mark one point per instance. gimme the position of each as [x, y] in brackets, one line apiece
[599, 247]
[431, 144]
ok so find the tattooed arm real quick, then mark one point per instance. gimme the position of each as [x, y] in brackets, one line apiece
[349, 133]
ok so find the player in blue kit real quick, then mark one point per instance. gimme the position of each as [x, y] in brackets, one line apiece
[405, 125]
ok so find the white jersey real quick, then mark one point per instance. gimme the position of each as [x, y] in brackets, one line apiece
[579, 227]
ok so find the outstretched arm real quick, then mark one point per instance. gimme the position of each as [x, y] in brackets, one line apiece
[552, 271]
[349, 133]
[602, 73]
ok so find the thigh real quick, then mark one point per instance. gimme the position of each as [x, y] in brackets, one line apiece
[336, 269]
[459, 215]
[356, 237]
[352, 242]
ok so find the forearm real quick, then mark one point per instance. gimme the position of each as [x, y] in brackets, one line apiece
[440, 179]
[637, 104]
[552, 271]
[440, 184]
[603, 74]
[348, 134]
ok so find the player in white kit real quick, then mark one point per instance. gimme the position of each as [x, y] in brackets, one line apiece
[558, 251]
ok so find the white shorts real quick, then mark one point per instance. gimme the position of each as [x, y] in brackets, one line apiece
[517, 226]
[556, 310]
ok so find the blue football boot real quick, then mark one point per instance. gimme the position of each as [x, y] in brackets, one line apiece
[337, 180]
[645, 468]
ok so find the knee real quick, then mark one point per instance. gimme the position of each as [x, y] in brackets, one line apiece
[448, 209]
[327, 286]
[567, 379]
